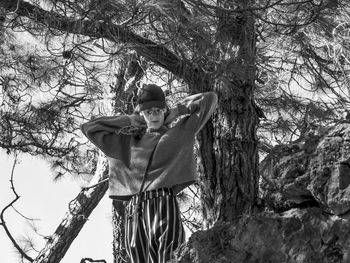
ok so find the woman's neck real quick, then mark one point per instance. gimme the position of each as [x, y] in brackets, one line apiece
[161, 129]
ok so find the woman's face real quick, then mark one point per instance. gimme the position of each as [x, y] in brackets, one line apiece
[154, 117]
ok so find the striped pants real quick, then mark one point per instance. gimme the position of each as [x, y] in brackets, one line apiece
[153, 227]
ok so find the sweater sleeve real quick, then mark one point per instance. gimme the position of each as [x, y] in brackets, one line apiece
[104, 133]
[200, 107]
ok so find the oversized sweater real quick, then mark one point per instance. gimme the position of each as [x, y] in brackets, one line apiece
[173, 163]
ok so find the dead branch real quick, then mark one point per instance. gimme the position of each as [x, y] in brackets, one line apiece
[2, 217]
[84, 260]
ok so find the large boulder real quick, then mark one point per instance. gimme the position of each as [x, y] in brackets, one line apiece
[295, 236]
[307, 186]
[311, 172]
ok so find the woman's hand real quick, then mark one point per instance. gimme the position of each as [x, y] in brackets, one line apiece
[136, 128]
[137, 120]
[171, 116]
[176, 112]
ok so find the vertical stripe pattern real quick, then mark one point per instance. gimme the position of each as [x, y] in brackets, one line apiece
[153, 227]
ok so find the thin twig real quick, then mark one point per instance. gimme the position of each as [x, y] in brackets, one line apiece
[2, 219]
[25, 217]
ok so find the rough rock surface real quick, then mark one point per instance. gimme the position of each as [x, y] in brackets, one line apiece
[315, 172]
[307, 185]
[295, 236]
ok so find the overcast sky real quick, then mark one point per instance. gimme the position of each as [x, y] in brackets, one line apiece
[47, 201]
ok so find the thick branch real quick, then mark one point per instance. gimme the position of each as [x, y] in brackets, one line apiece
[160, 55]
[84, 260]
[79, 211]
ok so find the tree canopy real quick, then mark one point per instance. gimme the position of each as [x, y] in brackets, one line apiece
[283, 63]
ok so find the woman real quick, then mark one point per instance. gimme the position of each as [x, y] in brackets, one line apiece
[150, 168]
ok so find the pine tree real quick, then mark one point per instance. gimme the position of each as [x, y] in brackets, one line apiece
[255, 55]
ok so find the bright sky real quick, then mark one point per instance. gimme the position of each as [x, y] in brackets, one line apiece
[43, 199]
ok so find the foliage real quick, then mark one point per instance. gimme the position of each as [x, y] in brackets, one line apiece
[301, 46]
[65, 61]
[303, 70]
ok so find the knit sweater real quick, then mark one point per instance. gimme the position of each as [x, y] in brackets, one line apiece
[173, 163]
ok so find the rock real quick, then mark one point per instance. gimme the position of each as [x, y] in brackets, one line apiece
[296, 236]
[313, 172]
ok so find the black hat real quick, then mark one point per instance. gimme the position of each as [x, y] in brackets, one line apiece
[151, 96]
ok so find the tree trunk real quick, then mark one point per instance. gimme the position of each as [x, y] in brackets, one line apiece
[228, 145]
[129, 73]
[119, 251]
[79, 211]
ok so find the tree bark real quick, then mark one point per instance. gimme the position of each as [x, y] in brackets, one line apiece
[119, 250]
[79, 211]
[228, 145]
